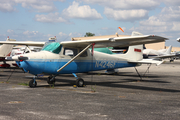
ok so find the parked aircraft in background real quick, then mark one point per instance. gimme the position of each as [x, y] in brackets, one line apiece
[17, 50]
[178, 39]
[149, 53]
[5, 50]
[160, 54]
[24, 47]
[72, 57]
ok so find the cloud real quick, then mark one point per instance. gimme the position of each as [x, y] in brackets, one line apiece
[153, 21]
[152, 25]
[10, 31]
[32, 5]
[170, 14]
[166, 21]
[30, 33]
[38, 5]
[7, 6]
[62, 34]
[171, 2]
[126, 15]
[176, 26]
[81, 12]
[50, 18]
[125, 4]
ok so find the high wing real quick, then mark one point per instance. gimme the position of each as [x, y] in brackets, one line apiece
[104, 42]
[115, 42]
[40, 44]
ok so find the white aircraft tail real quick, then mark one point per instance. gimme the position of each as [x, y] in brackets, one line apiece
[134, 53]
[168, 51]
[5, 49]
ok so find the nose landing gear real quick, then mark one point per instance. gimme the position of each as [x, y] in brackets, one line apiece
[33, 83]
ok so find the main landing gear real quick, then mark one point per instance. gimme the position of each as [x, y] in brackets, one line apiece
[79, 81]
[51, 81]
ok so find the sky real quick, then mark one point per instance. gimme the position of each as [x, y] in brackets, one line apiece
[37, 20]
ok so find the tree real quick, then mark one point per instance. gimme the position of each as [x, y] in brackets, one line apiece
[88, 34]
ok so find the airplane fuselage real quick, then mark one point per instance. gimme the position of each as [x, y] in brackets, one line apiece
[48, 63]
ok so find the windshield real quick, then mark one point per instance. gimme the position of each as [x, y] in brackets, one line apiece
[53, 47]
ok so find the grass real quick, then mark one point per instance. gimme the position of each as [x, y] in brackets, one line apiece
[93, 89]
[25, 84]
[4, 82]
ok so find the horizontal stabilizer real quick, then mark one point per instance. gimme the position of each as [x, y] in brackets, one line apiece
[149, 61]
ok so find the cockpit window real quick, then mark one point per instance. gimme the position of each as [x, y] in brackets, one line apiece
[70, 51]
[53, 47]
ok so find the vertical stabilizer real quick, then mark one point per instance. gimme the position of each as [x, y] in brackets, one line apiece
[5, 49]
[168, 51]
[134, 53]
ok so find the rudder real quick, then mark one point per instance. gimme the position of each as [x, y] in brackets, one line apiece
[5, 49]
[134, 53]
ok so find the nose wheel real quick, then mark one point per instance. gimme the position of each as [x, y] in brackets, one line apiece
[32, 83]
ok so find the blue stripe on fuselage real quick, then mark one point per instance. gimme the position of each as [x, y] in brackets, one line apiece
[78, 66]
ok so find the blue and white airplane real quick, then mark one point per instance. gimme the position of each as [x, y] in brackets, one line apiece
[72, 57]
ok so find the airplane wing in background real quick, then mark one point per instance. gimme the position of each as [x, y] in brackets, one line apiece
[166, 56]
[40, 44]
[5, 49]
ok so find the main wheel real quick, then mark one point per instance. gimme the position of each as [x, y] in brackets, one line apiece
[50, 81]
[80, 82]
[32, 83]
[171, 60]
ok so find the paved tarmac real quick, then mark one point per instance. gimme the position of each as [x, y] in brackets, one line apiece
[121, 96]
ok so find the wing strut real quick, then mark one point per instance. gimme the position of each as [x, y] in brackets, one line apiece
[74, 58]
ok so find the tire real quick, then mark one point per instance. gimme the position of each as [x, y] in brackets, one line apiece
[32, 84]
[50, 82]
[80, 82]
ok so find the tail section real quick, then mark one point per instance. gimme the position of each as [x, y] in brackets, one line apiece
[134, 53]
[5, 49]
[168, 51]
